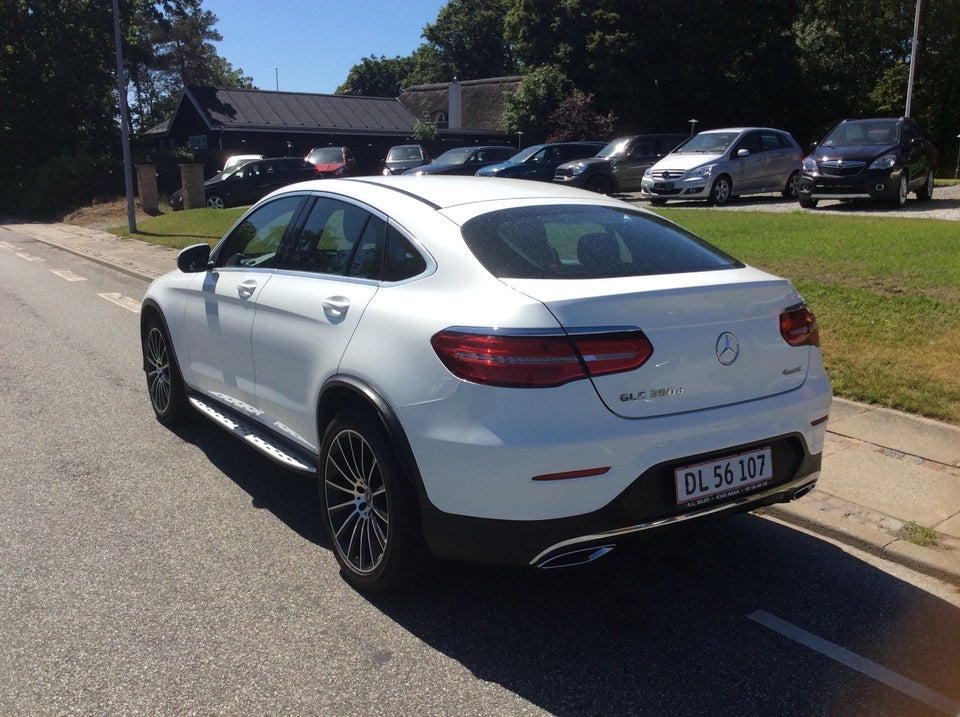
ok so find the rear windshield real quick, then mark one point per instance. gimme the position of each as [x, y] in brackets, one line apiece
[586, 242]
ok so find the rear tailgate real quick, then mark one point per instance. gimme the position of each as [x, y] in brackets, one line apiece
[716, 336]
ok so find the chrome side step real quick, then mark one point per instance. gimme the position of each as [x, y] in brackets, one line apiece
[254, 437]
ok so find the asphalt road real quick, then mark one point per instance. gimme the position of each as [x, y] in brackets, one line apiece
[148, 572]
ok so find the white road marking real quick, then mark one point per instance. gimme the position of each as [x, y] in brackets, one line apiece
[68, 275]
[28, 257]
[862, 665]
[120, 300]
[5, 245]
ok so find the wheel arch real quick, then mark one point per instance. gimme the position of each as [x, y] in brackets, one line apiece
[149, 311]
[344, 392]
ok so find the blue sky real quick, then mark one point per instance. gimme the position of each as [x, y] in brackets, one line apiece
[310, 45]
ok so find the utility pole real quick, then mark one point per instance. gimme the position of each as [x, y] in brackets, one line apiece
[913, 58]
[124, 123]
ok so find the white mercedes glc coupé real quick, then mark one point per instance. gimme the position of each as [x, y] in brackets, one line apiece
[498, 371]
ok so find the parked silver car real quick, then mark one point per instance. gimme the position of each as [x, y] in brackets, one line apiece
[719, 164]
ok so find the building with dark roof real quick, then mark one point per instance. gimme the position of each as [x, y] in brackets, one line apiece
[217, 122]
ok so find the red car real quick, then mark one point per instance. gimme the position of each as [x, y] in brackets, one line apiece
[332, 161]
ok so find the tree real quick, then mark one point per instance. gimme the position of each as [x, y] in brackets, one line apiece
[540, 93]
[176, 46]
[576, 119]
[377, 77]
[468, 37]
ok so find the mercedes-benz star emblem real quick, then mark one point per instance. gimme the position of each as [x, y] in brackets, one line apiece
[728, 348]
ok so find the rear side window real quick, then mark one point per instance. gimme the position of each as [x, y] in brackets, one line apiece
[584, 242]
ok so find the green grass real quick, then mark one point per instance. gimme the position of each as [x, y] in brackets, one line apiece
[886, 290]
[181, 229]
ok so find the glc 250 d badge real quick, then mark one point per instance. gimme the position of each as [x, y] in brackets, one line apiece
[728, 348]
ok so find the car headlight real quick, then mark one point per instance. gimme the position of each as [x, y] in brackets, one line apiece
[578, 168]
[887, 161]
[701, 172]
[648, 172]
[809, 164]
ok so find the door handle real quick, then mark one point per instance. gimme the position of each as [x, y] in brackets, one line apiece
[335, 307]
[246, 288]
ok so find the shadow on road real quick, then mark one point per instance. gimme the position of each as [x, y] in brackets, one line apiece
[660, 627]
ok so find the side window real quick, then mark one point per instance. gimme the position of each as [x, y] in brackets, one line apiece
[333, 236]
[254, 242]
[402, 261]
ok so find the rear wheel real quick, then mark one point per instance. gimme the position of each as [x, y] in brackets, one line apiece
[721, 191]
[790, 190]
[369, 506]
[926, 191]
[164, 382]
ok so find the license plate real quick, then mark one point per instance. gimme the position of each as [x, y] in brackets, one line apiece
[723, 478]
[663, 185]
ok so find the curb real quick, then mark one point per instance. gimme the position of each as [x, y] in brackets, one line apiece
[941, 561]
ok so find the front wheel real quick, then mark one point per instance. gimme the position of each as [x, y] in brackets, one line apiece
[599, 184]
[900, 198]
[215, 201]
[721, 191]
[164, 382]
[369, 507]
[806, 201]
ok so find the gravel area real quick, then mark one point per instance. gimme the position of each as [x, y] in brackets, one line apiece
[945, 204]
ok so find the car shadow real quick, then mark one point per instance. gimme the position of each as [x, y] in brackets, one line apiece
[662, 626]
[291, 496]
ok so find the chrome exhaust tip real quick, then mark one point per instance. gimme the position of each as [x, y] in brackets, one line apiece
[800, 492]
[574, 557]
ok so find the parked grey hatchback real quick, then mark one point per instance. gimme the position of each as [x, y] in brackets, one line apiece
[720, 164]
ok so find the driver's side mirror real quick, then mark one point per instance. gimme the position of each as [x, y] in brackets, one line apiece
[194, 259]
[743, 152]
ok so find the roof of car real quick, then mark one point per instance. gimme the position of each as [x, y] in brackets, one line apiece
[447, 191]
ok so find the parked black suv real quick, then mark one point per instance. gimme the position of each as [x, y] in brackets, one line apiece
[881, 158]
[620, 165]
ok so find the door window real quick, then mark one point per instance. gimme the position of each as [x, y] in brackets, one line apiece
[254, 242]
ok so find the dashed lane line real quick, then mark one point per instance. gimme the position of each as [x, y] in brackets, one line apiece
[124, 301]
[871, 669]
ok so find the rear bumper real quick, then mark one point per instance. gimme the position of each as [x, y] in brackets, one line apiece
[648, 503]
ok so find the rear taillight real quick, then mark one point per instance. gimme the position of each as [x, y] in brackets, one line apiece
[798, 326]
[534, 361]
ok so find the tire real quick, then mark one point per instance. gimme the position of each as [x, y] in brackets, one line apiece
[168, 397]
[805, 201]
[599, 184]
[790, 191]
[369, 506]
[658, 202]
[925, 193]
[721, 191]
[900, 198]
[215, 201]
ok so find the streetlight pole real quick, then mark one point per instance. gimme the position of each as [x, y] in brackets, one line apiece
[913, 58]
[693, 125]
[956, 172]
[124, 124]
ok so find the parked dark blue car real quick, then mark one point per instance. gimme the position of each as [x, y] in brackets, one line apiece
[540, 160]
